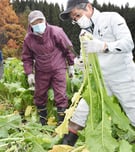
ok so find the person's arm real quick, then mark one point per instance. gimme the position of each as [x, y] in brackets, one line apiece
[66, 46]
[124, 42]
[27, 59]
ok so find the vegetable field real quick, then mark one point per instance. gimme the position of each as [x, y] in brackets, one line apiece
[107, 129]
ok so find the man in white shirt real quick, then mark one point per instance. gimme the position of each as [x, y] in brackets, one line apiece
[112, 41]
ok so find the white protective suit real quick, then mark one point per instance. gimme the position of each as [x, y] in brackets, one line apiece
[80, 114]
[117, 65]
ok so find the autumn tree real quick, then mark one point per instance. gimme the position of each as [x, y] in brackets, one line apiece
[10, 29]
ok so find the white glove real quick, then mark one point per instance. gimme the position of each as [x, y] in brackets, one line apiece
[78, 62]
[71, 71]
[31, 79]
[93, 46]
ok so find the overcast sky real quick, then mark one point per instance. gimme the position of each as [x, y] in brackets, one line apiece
[116, 2]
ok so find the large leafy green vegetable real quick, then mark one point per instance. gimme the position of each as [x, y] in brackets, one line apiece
[105, 113]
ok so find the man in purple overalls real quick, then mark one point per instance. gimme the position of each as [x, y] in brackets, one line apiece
[47, 53]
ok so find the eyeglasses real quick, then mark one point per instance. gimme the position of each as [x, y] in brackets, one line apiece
[78, 15]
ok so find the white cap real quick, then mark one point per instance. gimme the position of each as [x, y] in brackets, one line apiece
[34, 15]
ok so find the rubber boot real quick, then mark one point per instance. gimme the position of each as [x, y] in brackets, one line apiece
[69, 139]
[42, 115]
[61, 114]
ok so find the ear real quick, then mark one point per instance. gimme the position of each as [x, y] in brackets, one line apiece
[89, 6]
[90, 9]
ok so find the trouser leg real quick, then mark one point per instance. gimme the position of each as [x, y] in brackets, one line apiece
[42, 84]
[59, 86]
[125, 93]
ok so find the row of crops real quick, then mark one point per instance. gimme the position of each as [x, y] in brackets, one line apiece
[107, 129]
[20, 130]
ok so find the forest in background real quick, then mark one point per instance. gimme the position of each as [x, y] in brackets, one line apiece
[13, 22]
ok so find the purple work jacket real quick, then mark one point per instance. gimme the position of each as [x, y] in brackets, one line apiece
[50, 52]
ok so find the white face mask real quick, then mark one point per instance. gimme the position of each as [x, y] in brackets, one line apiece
[39, 28]
[84, 22]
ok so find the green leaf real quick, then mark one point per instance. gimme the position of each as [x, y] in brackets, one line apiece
[3, 132]
[50, 94]
[9, 122]
[28, 111]
[100, 139]
[37, 148]
[125, 146]
[117, 114]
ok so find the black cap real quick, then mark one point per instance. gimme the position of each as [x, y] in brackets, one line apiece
[70, 5]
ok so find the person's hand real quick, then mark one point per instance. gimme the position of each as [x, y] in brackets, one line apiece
[31, 79]
[93, 46]
[71, 71]
[78, 61]
[79, 64]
